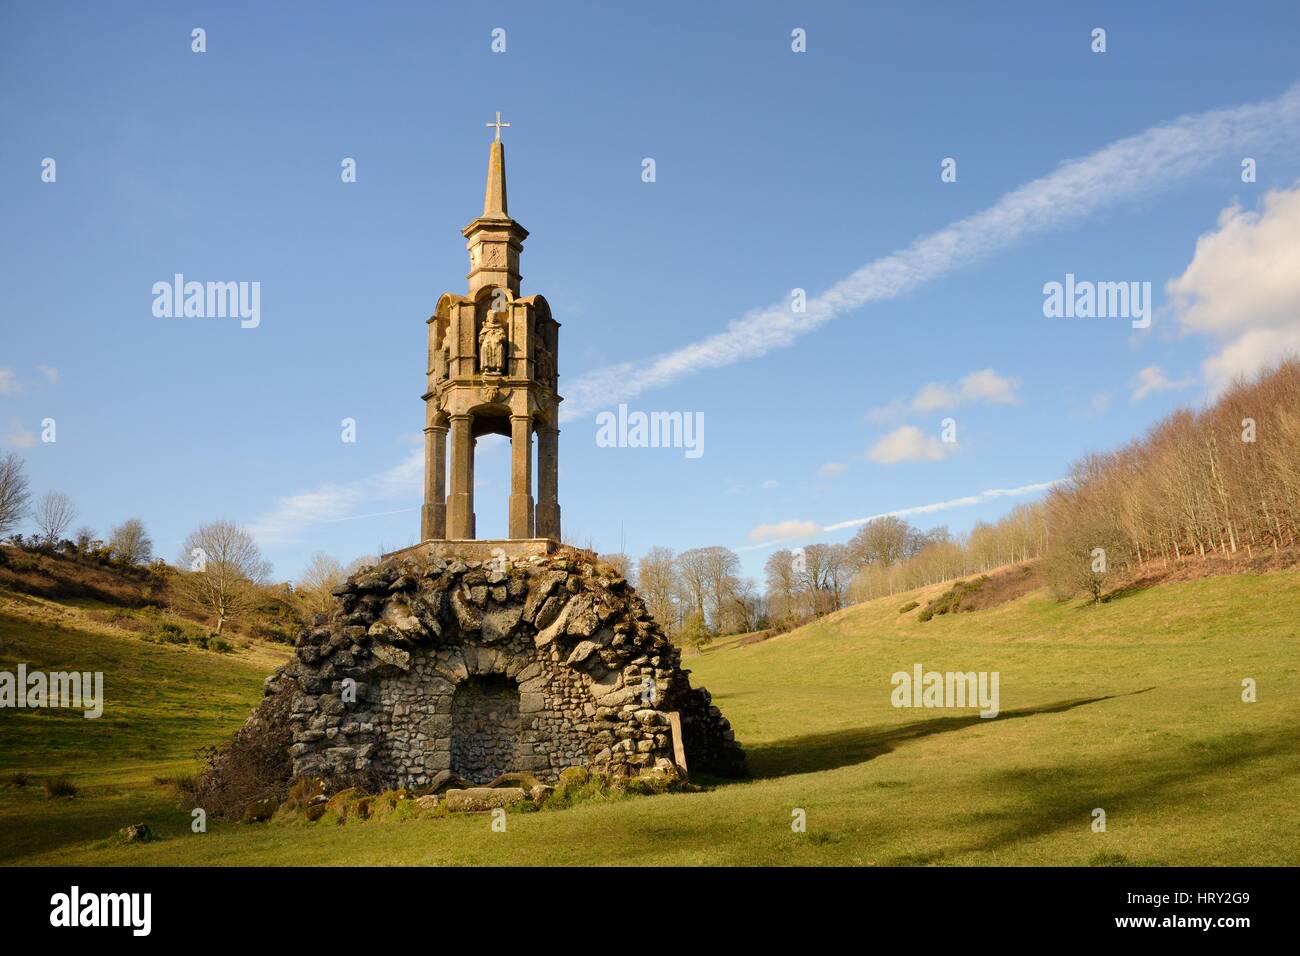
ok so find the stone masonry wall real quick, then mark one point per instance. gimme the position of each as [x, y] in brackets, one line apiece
[434, 663]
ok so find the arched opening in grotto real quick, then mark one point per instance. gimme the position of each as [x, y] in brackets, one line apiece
[484, 727]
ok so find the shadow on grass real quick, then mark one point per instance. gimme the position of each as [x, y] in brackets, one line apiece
[1062, 798]
[31, 823]
[843, 748]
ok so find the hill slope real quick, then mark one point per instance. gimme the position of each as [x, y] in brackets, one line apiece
[1133, 707]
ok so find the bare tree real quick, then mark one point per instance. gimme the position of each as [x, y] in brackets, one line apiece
[660, 587]
[824, 576]
[784, 585]
[225, 568]
[130, 543]
[746, 606]
[693, 571]
[322, 575]
[619, 561]
[722, 569]
[884, 541]
[14, 495]
[54, 515]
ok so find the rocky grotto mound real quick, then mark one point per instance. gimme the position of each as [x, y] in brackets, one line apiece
[534, 664]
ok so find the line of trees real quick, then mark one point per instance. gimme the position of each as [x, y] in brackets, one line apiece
[696, 595]
[53, 514]
[938, 555]
[1224, 480]
[888, 555]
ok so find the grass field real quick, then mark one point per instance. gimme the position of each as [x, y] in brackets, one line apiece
[1133, 707]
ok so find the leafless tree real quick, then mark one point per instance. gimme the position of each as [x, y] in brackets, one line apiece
[784, 585]
[54, 515]
[322, 575]
[722, 569]
[14, 494]
[225, 569]
[619, 561]
[693, 572]
[883, 541]
[660, 587]
[824, 576]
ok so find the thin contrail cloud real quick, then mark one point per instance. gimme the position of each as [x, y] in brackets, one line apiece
[1145, 164]
[772, 534]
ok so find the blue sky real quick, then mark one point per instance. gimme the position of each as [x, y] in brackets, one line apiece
[775, 170]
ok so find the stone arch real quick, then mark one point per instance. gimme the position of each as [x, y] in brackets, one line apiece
[440, 321]
[485, 726]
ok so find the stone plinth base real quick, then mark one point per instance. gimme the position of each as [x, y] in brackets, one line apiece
[528, 664]
[477, 550]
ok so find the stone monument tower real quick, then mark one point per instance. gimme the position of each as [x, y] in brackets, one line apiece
[492, 662]
[492, 370]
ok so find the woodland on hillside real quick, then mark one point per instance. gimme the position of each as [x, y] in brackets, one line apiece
[1223, 480]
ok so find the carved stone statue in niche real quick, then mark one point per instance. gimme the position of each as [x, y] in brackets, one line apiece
[492, 347]
[441, 364]
[545, 367]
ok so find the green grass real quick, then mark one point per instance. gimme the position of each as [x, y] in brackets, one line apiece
[1134, 707]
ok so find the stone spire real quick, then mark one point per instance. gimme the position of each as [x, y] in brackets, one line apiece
[494, 202]
[495, 240]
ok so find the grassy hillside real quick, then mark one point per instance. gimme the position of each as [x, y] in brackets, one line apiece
[162, 703]
[1134, 707]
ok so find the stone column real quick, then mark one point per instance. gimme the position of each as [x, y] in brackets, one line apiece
[433, 519]
[460, 503]
[548, 480]
[521, 476]
[473, 457]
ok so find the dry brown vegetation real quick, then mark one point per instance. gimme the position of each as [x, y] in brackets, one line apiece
[70, 577]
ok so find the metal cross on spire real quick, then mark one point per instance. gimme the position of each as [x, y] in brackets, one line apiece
[498, 124]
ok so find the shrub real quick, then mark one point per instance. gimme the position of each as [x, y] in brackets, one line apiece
[60, 787]
[954, 600]
[19, 779]
[255, 766]
[909, 606]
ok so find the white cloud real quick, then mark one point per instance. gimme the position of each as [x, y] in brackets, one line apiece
[964, 502]
[787, 530]
[328, 503]
[50, 372]
[832, 468]
[908, 443]
[784, 530]
[1243, 287]
[933, 397]
[1130, 168]
[1153, 379]
[985, 387]
[8, 382]
[990, 388]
